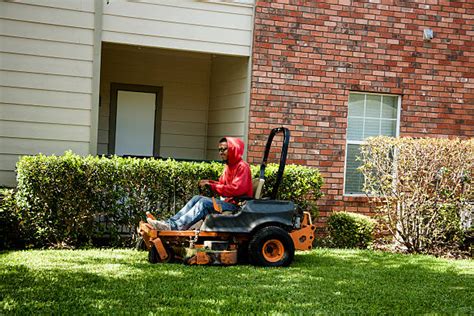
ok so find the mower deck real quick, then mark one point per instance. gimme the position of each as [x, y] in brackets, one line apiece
[218, 248]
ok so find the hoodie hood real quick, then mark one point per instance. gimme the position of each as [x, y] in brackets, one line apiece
[235, 150]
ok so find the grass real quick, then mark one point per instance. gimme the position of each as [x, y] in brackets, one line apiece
[322, 281]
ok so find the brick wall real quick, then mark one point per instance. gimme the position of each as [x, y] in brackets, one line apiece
[308, 56]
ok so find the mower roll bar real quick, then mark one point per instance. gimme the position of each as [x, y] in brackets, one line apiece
[284, 153]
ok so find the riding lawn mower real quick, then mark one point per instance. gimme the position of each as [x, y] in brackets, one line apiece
[264, 231]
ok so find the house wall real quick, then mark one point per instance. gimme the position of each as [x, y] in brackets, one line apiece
[185, 78]
[228, 101]
[46, 53]
[203, 26]
[307, 58]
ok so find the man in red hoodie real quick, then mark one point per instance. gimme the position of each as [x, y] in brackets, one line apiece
[236, 181]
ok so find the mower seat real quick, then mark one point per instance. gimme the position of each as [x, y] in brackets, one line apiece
[257, 185]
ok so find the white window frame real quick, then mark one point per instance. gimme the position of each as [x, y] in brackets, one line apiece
[360, 142]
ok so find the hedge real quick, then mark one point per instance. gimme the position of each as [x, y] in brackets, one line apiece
[60, 198]
[9, 220]
[350, 230]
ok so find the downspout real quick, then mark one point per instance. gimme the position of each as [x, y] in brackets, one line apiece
[96, 62]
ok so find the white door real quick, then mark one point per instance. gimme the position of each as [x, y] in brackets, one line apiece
[135, 123]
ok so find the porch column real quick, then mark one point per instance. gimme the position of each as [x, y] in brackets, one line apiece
[94, 128]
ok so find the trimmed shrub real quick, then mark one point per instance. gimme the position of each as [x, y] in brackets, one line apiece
[10, 236]
[350, 230]
[61, 197]
[300, 184]
[420, 187]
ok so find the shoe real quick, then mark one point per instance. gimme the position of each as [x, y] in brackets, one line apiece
[158, 225]
[149, 215]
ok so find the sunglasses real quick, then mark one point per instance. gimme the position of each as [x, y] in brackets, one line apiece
[221, 150]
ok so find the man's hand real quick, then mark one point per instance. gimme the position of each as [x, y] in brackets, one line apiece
[203, 183]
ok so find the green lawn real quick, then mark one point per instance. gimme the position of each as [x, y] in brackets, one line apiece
[319, 282]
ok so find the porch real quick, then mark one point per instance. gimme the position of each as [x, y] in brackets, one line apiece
[170, 103]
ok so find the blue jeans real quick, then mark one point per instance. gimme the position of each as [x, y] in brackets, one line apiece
[196, 209]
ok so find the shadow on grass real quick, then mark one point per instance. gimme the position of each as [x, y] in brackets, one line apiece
[322, 281]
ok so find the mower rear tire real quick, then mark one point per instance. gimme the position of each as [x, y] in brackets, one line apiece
[271, 246]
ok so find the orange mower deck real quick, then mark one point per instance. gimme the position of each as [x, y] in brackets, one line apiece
[165, 243]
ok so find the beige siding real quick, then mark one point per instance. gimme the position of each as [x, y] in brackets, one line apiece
[184, 77]
[8, 178]
[44, 98]
[35, 47]
[46, 53]
[7, 174]
[203, 26]
[47, 82]
[46, 32]
[228, 100]
[46, 65]
[28, 130]
[21, 146]
[43, 114]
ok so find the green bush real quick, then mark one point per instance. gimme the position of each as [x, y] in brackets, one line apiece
[350, 230]
[300, 184]
[420, 188]
[10, 236]
[60, 197]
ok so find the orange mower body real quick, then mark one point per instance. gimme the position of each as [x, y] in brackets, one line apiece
[267, 245]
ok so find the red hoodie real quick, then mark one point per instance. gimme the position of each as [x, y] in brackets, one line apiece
[237, 179]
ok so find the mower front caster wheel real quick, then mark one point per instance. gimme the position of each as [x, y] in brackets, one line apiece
[154, 257]
[140, 244]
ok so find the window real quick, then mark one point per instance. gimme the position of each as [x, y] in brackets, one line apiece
[368, 115]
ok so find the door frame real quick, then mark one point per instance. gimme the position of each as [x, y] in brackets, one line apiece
[158, 91]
